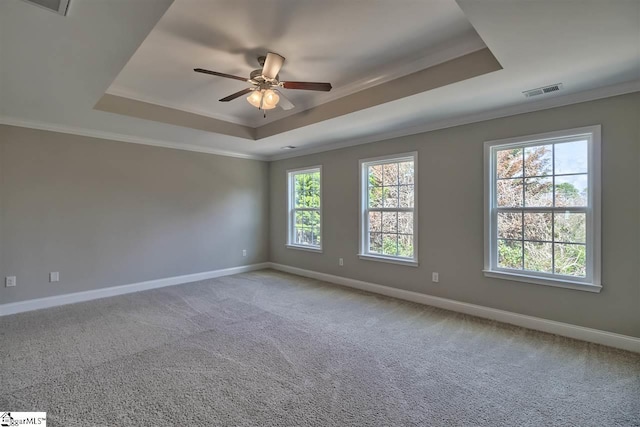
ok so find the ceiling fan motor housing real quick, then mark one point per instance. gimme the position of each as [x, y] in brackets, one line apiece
[256, 76]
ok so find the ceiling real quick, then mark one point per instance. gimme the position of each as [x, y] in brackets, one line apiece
[55, 69]
[345, 43]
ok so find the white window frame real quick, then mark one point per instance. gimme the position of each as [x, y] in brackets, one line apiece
[364, 209]
[291, 209]
[592, 281]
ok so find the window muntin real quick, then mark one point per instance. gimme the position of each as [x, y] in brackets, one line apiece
[542, 207]
[305, 216]
[388, 224]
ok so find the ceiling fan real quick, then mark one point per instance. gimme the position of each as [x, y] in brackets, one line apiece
[264, 93]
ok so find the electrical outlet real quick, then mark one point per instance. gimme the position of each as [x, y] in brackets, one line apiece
[10, 281]
[435, 277]
[54, 276]
[340, 262]
[244, 252]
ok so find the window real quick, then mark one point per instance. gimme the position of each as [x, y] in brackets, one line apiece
[542, 198]
[305, 216]
[388, 222]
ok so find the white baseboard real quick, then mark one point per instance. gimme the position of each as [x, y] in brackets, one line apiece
[39, 303]
[597, 336]
[564, 329]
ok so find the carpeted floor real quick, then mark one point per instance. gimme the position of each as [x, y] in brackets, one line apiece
[272, 349]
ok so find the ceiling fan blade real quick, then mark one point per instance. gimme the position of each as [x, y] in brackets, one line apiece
[215, 73]
[272, 65]
[284, 102]
[324, 87]
[236, 95]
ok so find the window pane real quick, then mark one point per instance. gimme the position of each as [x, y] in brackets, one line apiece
[572, 190]
[509, 192]
[375, 221]
[307, 218]
[537, 226]
[405, 196]
[375, 243]
[390, 244]
[538, 160]
[298, 181]
[314, 192]
[571, 157]
[510, 254]
[571, 260]
[509, 163]
[538, 257]
[389, 222]
[307, 190]
[303, 236]
[390, 197]
[375, 175]
[406, 172]
[315, 236]
[375, 197]
[510, 225]
[570, 227]
[390, 174]
[405, 245]
[538, 192]
[314, 219]
[405, 222]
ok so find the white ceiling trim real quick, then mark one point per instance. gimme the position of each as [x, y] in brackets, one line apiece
[31, 124]
[557, 101]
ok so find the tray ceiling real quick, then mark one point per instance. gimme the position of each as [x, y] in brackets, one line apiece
[354, 45]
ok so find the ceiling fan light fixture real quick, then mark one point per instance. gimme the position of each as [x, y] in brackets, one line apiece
[255, 98]
[264, 99]
[269, 99]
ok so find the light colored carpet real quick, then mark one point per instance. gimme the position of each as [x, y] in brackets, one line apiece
[272, 349]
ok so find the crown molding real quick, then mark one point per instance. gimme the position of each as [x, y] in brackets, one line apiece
[113, 136]
[528, 107]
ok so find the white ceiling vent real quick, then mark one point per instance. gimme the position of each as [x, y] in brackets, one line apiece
[543, 90]
[58, 6]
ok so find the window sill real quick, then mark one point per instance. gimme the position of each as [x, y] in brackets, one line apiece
[558, 283]
[305, 248]
[399, 261]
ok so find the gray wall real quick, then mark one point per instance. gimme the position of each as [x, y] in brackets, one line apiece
[107, 213]
[451, 217]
